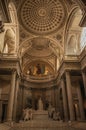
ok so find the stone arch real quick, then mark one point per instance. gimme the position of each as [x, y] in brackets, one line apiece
[11, 33]
[14, 22]
[73, 31]
[13, 14]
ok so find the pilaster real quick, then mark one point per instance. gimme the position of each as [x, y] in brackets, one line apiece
[64, 99]
[11, 97]
[69, 94]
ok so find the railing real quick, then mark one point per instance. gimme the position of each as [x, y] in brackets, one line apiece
[71, 57]
[7, 55]
[40, 78]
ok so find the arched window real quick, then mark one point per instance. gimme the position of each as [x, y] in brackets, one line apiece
[83, 38]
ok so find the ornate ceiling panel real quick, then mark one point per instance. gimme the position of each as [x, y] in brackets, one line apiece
[39, 53]
[42, 16]
[39, 47]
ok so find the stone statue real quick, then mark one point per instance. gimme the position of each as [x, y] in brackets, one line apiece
[51, 110]
[27, 114]
[40, 104]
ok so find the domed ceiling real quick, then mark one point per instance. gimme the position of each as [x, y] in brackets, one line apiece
[41, 35]
[42, 17]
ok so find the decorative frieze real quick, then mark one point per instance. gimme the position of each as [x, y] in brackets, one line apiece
[10, 64]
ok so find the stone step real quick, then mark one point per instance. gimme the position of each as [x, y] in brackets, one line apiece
[43, 125]
[66, 128]
[44, 128]
[4, 127]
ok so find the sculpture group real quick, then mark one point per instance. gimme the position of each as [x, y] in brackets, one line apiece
[28, 113]
[53, 114]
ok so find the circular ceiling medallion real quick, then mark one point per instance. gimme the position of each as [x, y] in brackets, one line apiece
[42, 12]
[42, 16]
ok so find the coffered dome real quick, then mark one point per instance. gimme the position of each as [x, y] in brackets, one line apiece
[42, 16]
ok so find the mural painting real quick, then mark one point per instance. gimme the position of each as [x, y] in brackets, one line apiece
[39, 69]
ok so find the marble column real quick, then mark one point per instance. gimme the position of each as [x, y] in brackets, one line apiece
[69, 94]
[82, 114]
[77, 112]
[0, 110]
[52, 96]
[0, 91]
[56, 102]
[65, 106]
[0, 105]
[15, 99]
[33, 99]
[84, 81]
[55, 96]
[11, 97]
[19, 110]
[22, 97]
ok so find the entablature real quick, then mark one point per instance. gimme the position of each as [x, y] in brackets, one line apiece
[68, 64]
[38, 85]
[82, 59]
[10, 62]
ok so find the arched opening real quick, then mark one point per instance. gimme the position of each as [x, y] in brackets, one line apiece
[83, 38]
[12, 12]
[11, 34]
[73, 31]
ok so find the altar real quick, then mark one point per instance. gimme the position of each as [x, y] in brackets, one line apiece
[40, 115]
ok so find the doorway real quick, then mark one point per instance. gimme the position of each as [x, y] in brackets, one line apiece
[4, 112]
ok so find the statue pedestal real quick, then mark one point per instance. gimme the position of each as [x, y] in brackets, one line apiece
[40, 115]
